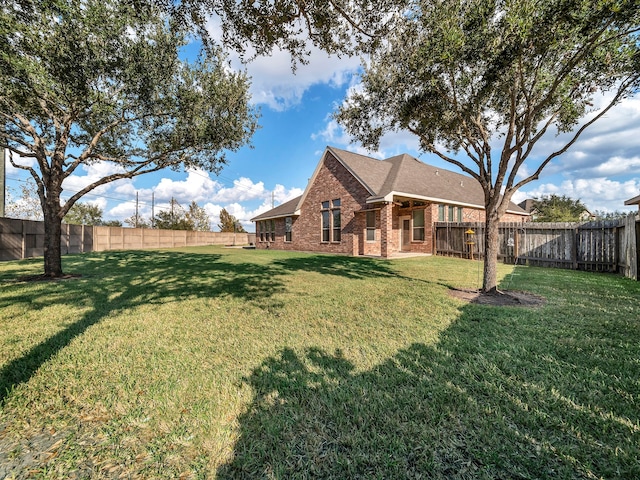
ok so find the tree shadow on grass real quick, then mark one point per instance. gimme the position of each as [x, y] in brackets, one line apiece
[120, 280]
[338, 265]
[117, 281]
[488, 401]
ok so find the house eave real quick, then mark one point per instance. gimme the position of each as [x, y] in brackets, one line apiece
[633, 201]
[389, 197]
[273, 217]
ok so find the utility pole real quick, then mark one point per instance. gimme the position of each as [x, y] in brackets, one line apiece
[153, 212]
[136, 224]
[3, 182]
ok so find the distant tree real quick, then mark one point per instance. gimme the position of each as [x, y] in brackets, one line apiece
[556, 208]
[175, 218]
[229, 223]
[137, 221]
[112, 223]
[84, 214]
[26, 204]
[198, 218]
[103, 82]
[602, 215]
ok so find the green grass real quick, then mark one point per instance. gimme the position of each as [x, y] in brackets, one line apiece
[225, 363]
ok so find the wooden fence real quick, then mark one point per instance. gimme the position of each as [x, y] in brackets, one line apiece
[25, 238]
[600, 246]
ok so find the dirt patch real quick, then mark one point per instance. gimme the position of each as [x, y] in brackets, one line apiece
[499, 299]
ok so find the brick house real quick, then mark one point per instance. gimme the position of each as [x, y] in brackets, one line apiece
[357, 205]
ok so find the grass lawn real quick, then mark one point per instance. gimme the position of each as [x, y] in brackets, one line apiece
[224, 363]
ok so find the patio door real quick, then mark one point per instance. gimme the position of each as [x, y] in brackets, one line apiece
[406, 234]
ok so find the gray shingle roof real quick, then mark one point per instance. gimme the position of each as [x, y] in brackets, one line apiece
[401, 175]
[404, 174]
[287, 209]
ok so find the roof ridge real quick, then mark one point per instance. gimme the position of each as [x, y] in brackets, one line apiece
[341, 150]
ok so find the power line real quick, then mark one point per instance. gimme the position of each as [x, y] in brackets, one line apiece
[154, 206]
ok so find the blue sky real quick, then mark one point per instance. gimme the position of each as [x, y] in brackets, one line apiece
[602, 169]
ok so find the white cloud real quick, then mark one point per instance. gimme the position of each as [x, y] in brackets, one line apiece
[243, 189]
[617, 166]
[596, 193]
[391, 143]
[198, 187]
[273, 82]
[99, 202]
[93, 173]
[126, 210]
[281, 194]
[244, 213]
[237, 210]
[244, 199]
[11, 171]
[610, 142]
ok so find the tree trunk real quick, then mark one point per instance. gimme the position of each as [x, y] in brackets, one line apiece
[52, 234]
[490, 278]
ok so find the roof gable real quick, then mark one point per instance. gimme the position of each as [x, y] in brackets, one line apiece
[371, 173]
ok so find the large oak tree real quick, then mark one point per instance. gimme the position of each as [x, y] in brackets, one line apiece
[481, 82]
[87, 81]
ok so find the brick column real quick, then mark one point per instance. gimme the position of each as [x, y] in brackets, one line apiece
[386, 230]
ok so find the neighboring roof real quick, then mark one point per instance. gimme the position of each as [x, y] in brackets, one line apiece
[400, 176]
[633, 201]
[287, 209]
[527, 205]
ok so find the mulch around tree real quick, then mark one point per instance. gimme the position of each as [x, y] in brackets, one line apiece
[500, 299]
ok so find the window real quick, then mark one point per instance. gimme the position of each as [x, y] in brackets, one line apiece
[326, 228]
[451, 213]
[331, 221]
[441, 213]
[371, 226]
[418, 225]
[459, 214]
[267, 230]
[287, 229]
[337, 222]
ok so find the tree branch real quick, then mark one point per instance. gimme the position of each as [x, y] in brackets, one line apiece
[432, 149]
[622, 91]
[108, 179]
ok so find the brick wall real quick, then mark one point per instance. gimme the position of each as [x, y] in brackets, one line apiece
[332, 181]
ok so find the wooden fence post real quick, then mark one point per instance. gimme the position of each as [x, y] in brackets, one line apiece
[574, 251]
